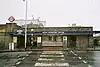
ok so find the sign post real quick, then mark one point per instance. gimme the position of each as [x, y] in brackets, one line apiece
[11, 45]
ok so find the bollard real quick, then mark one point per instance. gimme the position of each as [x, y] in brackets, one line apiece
[10, 46]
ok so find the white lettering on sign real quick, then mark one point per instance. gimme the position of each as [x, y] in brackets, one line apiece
[60, 32]
[53, 32]
[19, 31]
[44, 32]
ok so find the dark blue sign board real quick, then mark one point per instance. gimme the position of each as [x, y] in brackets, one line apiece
[57, 33]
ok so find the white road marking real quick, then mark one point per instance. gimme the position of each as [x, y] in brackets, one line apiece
[71, 51]
[52, 52]
[19, 56]
[23, 58]
[48, 59]
[84, 61]
[51, 55]
[45, 59]
[89, 66]
[18, 63]
[30, 52]
[79, 57]
[75, 54]
[51, 64]
[27, 55]
[62, 59]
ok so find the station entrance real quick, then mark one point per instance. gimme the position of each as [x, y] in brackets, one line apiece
[31, 41]
[20, 41]
[57, 40]
[52, 40]
[71, 41]
[48, 41]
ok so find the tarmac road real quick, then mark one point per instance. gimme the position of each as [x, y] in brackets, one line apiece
[71, 58]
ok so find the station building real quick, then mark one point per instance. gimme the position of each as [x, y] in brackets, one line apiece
[40, 36]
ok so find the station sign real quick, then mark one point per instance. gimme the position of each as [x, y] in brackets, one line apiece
[20, 32]
[53, 32]
[11, 19]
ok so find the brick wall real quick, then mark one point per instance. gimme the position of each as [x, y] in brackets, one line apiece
[82, 41]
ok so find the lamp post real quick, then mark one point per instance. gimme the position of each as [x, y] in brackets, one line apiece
[26, 2]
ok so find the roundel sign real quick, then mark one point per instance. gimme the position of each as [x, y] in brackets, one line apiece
[11, 19]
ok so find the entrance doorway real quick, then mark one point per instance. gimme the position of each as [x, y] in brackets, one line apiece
[20, 41]
[72, 41]
[52, 40]
[32, 41]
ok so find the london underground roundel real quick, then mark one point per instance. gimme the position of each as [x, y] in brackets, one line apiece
[11, 19]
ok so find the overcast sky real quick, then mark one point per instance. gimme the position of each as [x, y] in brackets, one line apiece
[55, 12]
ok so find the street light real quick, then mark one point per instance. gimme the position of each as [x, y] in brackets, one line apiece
[26, 2]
